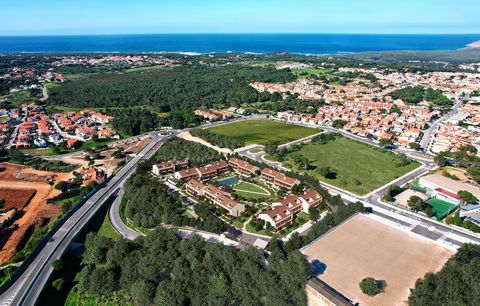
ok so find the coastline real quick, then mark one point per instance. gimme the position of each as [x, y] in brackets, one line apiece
[474, 45]
[200, 44]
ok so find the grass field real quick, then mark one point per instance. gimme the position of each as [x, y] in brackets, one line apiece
[250, 191]
[364, 247]
[264, 131]
[107, 229]
[360, 168]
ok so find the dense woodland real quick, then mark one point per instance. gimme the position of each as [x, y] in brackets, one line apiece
[149, 204]
[456, 284]
[163, 269]
[132, 121]
[415, 95]
[177, 148]
[185, 87]
[221, 141]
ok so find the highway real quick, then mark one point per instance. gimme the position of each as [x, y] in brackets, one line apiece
[26, 289]
[29, 285]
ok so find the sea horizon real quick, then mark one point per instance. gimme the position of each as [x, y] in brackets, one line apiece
[257, 43]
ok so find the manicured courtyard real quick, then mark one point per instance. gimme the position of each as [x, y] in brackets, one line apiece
[250, 191]
[360, 168]
[264, 131]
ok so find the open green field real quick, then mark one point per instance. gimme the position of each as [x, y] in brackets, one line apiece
[264, 131]
[360, 168]
[250, 191]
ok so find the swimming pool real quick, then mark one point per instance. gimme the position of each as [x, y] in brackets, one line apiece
[228, 181]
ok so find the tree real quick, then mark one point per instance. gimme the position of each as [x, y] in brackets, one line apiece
[453, 284]
[370, 286]
[143, 292]
[415, 203]
[467, 196]
[339, 124]
[414, 145]
[59, 284]
[57, 265]
[385, 142]
[271, 148]
[441, 159]
[314, 213]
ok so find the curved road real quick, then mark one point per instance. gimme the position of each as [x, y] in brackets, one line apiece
[27, 288]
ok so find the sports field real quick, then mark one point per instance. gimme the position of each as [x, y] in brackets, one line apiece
[364, 247]
[264, 131]
[360, 168]
[441, 208]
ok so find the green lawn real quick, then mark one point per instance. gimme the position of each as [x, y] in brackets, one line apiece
[107, 229]
[360, 168]
[250, 191]
[263, 131]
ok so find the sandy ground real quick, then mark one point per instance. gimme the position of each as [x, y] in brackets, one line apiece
[363, 247]
[189, 137]
[37, 212]
[460, 173]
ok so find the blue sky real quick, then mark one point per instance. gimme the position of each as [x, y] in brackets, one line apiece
[58, 17]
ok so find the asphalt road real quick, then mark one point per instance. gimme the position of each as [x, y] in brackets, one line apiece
[28, 287]
[428, 134]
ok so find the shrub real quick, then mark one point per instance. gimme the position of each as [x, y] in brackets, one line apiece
[370, 286]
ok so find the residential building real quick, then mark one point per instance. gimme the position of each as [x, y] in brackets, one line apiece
[242, 167]
[220, 198]
[168, 166]
[278, 216]
[278, 179]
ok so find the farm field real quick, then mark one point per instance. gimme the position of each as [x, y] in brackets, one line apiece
[360, 168]
[264, 131]
[364, 247]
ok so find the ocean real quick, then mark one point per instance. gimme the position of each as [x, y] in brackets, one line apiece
[255, 43]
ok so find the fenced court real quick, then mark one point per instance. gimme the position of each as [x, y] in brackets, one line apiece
[441, 208]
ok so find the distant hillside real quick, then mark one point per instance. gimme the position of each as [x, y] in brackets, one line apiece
[467, 55]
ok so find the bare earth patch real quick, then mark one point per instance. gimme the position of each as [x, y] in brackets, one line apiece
[37, 212]
[189, 137]
[16, 198]
[364, 247]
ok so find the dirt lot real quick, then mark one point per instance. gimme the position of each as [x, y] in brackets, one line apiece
[107, 163]
[16, 198]
[37, 212]
[363, 247]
